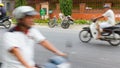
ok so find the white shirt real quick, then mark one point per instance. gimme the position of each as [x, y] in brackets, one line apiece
[24, 42]
[111, 17]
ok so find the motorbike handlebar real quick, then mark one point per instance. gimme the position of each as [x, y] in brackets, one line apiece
[94, 20]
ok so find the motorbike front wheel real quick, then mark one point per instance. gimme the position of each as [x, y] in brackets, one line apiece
[7, 24]
[116, 39]
[85, 36]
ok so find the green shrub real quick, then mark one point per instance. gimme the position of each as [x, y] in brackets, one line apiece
[39, 21]
[13, 21]
[81, 21]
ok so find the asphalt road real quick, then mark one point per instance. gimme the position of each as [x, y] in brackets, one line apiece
[95, 54]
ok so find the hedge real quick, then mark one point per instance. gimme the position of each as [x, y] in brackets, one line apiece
[40, 21]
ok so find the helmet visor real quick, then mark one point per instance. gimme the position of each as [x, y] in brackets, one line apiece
[106, 6]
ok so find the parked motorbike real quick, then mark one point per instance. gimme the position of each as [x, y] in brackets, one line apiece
[6, 22]
[109, 34]
[66, 22]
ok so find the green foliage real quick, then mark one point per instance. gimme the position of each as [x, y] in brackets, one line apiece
[20, 3]
[13, 21]
[66, 6]
[40, 21]
[81, 22]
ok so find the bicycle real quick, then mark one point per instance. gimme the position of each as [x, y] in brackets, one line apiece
[52, 22]
[65, 23]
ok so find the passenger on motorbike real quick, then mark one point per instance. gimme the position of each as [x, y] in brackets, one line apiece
[110, 22]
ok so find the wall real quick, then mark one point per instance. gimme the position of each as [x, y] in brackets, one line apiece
[83, 13]
[86, 14]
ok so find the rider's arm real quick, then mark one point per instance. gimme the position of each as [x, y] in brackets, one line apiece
[18, 55]
[72, 19]
[40, 39]
[99, 17]
[50, 47]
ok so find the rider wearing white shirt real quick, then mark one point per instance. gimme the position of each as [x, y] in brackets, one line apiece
[18, 42]
[24, 42]
[111, 18]
[110, 22]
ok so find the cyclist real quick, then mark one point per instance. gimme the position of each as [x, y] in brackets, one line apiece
[18, 42]
[61, 16]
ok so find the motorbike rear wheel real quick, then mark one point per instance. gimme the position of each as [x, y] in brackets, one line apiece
[85, 36]
[116, 39]
[7, 24]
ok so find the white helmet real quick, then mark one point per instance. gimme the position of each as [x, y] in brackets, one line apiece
[22, 11]
[106, 6]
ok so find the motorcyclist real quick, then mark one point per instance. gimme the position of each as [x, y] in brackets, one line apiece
[110, 22]
[2, 11]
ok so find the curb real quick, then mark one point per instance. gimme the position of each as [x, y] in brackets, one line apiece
[75, 27]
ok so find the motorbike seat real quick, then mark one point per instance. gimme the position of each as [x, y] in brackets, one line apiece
[111, 28]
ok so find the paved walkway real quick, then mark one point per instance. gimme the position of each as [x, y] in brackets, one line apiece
[75, 27]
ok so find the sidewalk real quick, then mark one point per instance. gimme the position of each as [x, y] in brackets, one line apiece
[75, 27]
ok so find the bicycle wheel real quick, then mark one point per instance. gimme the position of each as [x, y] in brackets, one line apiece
[51, 23]
[65, 24]
[7, 24]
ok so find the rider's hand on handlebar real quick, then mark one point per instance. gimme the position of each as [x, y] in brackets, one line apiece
[31, 67]
[61, 54]
[94, 20]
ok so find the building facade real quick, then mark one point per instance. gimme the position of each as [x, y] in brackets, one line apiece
[82, 9]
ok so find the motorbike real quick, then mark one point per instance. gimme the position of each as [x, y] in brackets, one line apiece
[6, 22]
[66, 22]
[110, 34]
